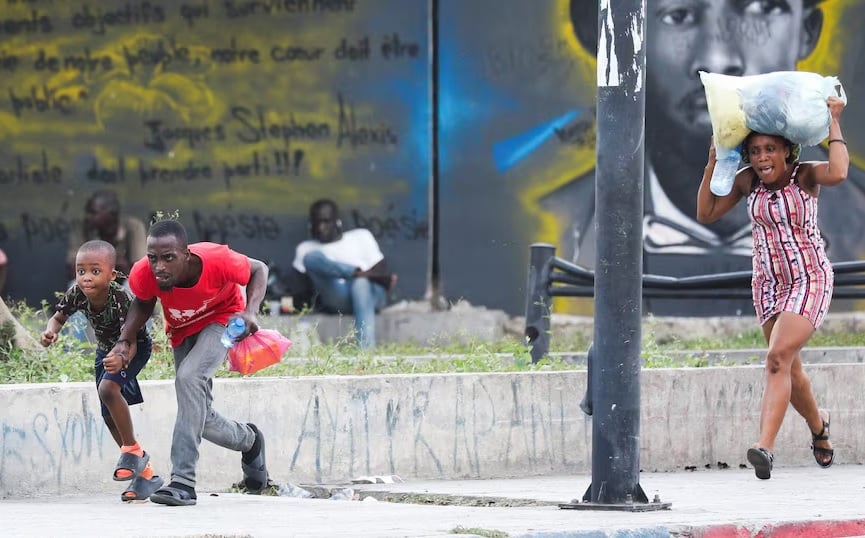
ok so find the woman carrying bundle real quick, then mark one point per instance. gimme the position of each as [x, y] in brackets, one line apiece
[792, 277]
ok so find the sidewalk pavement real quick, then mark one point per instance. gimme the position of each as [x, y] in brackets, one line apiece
[797, 501]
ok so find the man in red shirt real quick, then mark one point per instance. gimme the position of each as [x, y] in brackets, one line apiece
[199, 288]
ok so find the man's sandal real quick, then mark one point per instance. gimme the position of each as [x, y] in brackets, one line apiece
[762, 460]
[174, 495]
[819, 451]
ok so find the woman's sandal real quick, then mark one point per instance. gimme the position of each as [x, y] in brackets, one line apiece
[819, 450]
[762, 460]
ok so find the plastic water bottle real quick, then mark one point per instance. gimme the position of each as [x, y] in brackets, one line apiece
[233, 331]
[724, 173]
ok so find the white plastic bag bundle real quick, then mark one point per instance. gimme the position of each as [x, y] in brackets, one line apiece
[791, 104]
[729, 124]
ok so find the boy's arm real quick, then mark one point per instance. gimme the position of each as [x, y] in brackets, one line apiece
[55, 323]
[139, 312]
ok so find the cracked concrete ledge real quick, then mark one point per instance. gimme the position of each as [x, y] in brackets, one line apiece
[417, 322]
[331, 429]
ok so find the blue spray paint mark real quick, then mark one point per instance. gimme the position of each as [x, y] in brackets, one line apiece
[512, 150]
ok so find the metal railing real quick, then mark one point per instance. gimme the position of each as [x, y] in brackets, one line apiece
[550, 277]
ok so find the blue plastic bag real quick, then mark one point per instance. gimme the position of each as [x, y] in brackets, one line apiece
[791, 104]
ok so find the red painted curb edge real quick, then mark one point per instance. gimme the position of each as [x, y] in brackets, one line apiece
[798, 529]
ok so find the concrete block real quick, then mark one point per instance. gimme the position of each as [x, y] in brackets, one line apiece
[438, 426]
[417, 322]
[403, 322]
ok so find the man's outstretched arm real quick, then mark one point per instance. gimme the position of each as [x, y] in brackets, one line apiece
[124, 349]
[255, 291]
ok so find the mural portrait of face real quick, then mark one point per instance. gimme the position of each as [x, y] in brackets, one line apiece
[518, 124]
[683, 37]
[721, 36]
[731, 37]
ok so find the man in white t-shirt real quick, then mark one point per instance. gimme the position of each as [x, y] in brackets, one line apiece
[347, 269]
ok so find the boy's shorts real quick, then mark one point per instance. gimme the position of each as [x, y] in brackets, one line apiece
[128, 378]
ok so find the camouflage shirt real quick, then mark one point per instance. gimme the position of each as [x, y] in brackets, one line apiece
[107, 323]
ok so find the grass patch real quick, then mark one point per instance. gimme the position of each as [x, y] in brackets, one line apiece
[70, 360]
[486, 533]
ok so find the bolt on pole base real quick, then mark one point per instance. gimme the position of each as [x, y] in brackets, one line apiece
[642, 503]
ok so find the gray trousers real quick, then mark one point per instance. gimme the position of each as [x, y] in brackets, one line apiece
[196, 360]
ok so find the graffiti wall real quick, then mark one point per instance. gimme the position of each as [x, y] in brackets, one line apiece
[518, 123]
[239, 113]
[324, 431]
[236, 114]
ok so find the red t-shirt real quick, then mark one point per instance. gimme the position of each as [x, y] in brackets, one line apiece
[213, 299]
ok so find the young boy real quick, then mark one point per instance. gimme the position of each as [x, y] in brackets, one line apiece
[105, 304]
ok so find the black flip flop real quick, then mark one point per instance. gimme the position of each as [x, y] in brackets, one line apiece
[172, 496]
[132, 463]
[141, 488]
[762, 460]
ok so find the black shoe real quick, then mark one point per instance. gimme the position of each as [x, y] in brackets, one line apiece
[253, 464]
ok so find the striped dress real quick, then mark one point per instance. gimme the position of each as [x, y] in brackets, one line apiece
[791, 270]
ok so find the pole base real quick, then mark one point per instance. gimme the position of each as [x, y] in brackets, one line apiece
[642, 503]
[618, 507]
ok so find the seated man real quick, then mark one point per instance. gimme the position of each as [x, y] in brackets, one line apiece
[102, 220]
[347, 269]
[127, 234]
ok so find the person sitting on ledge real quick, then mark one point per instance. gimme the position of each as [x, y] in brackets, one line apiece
[347, 269]
[103, 220]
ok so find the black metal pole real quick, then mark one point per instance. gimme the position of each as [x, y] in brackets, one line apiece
[538, 301]
[618, 263]
[434, 283]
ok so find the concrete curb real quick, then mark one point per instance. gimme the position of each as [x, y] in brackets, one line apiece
[732, 503]
[792, 529]
[416, 322]
[740, 357]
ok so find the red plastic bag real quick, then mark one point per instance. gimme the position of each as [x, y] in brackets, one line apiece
[257, 351]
